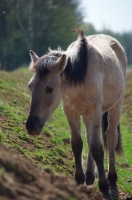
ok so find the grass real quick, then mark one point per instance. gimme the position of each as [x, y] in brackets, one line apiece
[129, 66]
[52, 150]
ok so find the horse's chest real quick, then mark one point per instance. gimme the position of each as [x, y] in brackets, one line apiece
[79, 104]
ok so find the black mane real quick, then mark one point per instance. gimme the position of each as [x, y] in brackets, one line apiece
[76, 67]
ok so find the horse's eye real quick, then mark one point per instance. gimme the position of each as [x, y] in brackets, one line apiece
[49, 90]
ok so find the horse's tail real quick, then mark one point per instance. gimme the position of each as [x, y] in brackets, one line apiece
[119, 148]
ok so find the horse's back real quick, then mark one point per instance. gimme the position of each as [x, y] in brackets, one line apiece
[108, 47]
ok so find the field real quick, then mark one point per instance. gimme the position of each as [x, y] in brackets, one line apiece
[51, 150]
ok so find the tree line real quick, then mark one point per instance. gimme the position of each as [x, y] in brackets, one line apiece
[38, 24]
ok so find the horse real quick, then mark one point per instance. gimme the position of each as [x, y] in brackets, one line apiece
[90, 79]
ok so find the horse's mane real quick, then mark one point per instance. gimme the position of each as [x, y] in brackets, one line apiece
[77, 60]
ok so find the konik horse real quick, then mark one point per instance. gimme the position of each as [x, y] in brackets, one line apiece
[89, 78]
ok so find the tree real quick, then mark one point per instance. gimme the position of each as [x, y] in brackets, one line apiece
[36, 24]
[27, 7]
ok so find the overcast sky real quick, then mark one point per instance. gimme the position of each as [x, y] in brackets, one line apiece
[113, 14]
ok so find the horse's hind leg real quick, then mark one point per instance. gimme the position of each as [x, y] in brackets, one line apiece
[90, 170]
[112, 141]
[76, 143]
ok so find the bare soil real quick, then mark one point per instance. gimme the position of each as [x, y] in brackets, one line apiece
[22, 180]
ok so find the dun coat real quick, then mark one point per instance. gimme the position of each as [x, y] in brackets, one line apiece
[89, 78]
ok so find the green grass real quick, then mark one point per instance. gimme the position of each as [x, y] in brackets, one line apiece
[44, 150]
[124, 164]
[50, 150]
[129, 66]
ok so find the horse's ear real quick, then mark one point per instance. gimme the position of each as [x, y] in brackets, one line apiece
[61, 63]
[33, 55]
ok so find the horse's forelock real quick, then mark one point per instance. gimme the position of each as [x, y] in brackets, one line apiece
[46, 62]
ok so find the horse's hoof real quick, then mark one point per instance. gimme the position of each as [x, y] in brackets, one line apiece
[114, 193]
[108, 197]
[80, 178]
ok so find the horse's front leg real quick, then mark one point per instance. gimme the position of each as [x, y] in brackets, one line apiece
[97, 150]
[90, 169]
[76, 143]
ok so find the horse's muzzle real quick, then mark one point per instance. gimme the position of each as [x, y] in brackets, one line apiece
[34, 125]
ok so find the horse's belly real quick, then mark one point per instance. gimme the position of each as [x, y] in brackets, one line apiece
[111, 100]
[106, 107]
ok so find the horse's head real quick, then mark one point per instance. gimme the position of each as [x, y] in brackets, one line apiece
[45, 87]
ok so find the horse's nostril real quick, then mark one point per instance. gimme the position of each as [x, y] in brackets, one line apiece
[31, 122]
[34, 125]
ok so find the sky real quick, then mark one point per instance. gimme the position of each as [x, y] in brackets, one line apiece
[112, 14]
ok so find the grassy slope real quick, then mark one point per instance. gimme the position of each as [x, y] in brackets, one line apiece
[52, 148]
[49, 150]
